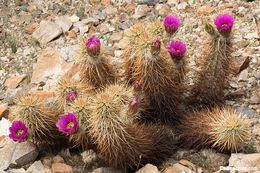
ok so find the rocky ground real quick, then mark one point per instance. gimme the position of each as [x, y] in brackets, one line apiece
[38, 43]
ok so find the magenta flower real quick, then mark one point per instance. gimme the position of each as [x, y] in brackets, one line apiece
[171, 24]
[18, 131]
[224, 23]
[155, 47]
[93, 46]
[68, 123]
[176, 49]
[71, 96]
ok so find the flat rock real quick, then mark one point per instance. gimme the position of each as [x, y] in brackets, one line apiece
[245, 160]
[64, 23]
[46, 32]
[37, 167]
[21, 170]
[4, 127]
[69, 53]
[61, 168]
[14, 81]
[176, 168]
[24, 153]
[49, 67]
[148, 168]
[141, 11]
[7, 148]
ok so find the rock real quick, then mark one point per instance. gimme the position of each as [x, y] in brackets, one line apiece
[239, 64]
[82, 26]
[7, 148]
[89, 156]
[106, 170]
[163, 9]
[187, 164]
[36, 167]
[110, 10]
[58, 159]
[256, 130]
[4, 127]
[29, 29]
[205, 10]
[173, 2]
[141, 11]
[24, 153]
[255, 98]
[71, 34]
[123, 43]
[245, 160]
[69, 53]
[61, 168]
[177, 168]
[243, 76]
[148, 168]
[21, 170]
[64, 22]
[13, 82]
[74, 18]
[47, 32]
[43, 94]
[4, 111]
[182, 5]
[116, 36]
[50, 65]
[105, 2]
[148, 2]
[246, 111]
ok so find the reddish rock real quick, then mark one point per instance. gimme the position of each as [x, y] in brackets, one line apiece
[239, 64]
[105, 2]
[31, 8]
[4, 111]
[71, 34]
[148, 168]
[13, 82]
[205, 10]
[43, 94]
[61, 168]
[29, 29]
[177, 168]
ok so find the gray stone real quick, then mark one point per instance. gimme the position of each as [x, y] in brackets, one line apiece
[148, 168]
[89, 156]
[46, 32]
[148, 2]
[245, 160]
[64, 22]
[7, 148]
[24, 153]
[82, 26]
[69, 53]
[36, 167]
[21, 170]
[141, 11]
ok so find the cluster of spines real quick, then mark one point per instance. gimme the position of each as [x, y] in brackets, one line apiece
[220, 128]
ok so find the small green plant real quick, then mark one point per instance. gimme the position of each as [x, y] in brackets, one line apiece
[250, 148]
[80, 12]
[13, 44]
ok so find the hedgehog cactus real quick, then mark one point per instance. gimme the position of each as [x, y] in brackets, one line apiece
[224, 129]
[214, 65]
[122, 143]
[80, 107]
[69, 89]
[39, 118]
[95, 64]
[150, 64]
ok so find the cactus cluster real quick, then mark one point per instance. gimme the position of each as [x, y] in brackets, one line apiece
[134, 120]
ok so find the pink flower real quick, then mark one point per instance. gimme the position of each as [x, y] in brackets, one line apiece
[176, 49]
[18, 131]
[134, 103]
[224, 23]
[93, 46]
[67, 123]
[71, 96]
[171, 24]
[155, 47]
